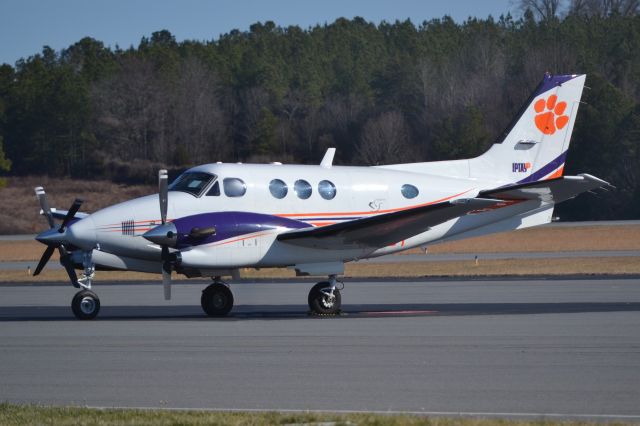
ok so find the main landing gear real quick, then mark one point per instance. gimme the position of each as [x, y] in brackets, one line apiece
[324, 298]
[217, 299]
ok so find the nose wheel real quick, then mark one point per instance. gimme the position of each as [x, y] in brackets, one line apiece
[85, 305]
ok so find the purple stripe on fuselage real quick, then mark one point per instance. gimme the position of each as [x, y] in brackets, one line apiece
[229, 225]
[536, 176]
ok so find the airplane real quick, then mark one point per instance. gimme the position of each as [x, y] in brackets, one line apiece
[215, 219]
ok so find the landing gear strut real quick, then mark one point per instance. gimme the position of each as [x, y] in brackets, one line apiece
[217, 299]
[324, 297]
[86, 304]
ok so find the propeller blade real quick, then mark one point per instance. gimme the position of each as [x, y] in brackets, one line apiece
[44, 205]
[65, 260]
[44, 259]
[163, 192]
[166, 280]
[71, 213]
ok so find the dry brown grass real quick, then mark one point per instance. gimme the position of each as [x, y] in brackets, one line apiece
[547, 238]
[512, 267]
[19, 208]
[550, 239]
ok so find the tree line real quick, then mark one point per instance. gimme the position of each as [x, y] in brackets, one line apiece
[380, 93]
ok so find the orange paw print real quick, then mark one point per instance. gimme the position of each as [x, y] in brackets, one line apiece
[547, 122]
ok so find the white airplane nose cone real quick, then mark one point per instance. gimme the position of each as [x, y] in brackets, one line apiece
[164, 235]
[82, 233]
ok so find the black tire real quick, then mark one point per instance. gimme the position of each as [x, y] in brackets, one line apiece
[320, 303]
[217, 300]
[85, 305]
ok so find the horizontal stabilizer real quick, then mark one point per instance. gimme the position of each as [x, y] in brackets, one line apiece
[384, 229]
[548, 191]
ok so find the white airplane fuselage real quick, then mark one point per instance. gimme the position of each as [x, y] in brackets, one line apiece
[359, 192]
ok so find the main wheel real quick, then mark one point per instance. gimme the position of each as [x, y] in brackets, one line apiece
[85, 305]
[217, 300]
[320, 302]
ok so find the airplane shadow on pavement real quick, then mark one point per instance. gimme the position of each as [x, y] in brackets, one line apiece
[293, 312]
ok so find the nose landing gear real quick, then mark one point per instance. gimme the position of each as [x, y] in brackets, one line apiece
[85, 305]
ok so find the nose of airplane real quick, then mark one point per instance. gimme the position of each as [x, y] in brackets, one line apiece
[164, 235]
[52, 237]
[82, 233]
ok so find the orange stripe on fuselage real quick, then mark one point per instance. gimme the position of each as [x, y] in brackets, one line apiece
[372, 212]
[558, 173]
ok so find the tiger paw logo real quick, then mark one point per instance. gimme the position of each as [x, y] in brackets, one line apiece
[553, 119]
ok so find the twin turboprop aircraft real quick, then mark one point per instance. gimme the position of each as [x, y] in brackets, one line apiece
[215, 219]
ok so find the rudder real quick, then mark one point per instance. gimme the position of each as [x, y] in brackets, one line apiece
[534, 147]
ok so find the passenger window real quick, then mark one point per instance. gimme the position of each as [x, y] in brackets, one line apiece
[278, 188]
[215, 190]
[327, 189]
[234, 187]
[302, 189]
[409, 191]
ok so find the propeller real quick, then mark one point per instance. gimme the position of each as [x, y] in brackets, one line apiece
[53, 238]
[167, 266]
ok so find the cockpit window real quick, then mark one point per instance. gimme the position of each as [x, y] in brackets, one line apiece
[192, 182]
[215, 190]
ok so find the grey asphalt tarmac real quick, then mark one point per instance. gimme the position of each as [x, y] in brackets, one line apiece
[518, 347]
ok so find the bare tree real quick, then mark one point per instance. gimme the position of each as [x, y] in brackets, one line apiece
[604, 8]
[130, 110]
[543, 9]
[199, 132]
[385, 139]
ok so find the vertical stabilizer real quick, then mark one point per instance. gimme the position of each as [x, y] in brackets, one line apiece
[534, 147]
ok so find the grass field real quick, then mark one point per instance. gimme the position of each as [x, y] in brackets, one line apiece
[11, 415]
[19, 208]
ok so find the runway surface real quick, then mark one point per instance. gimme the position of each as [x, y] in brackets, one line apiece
[568, 347]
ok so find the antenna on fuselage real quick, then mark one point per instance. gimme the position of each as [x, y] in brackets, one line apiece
[327, 160]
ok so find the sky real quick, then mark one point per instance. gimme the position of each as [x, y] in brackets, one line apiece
[28, 25]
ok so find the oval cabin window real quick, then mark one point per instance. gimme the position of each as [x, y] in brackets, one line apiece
[302, 189]
[409, 191]
[327, 189]
[278, 188]
[234, 187]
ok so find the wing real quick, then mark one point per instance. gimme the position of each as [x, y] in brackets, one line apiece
[384, 229]
[549, 191]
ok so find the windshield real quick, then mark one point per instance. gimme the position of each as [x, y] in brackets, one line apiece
[192, 182]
